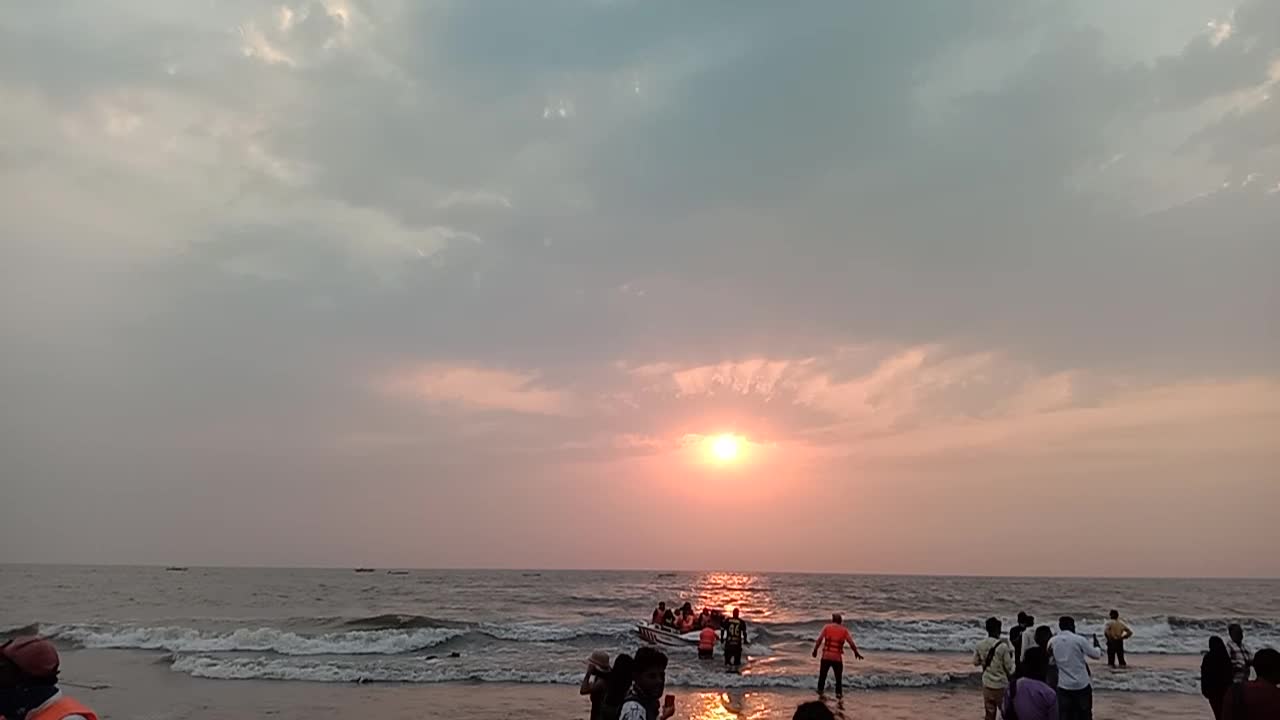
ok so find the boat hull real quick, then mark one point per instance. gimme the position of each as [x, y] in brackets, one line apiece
[656, 635]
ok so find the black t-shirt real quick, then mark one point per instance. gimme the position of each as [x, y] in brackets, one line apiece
[735, 629]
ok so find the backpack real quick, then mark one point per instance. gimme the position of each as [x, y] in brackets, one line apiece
[991, 654]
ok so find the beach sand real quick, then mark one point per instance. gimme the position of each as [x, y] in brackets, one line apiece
[142, 687]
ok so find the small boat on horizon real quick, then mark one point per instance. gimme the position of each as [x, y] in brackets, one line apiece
[175, 568]
[364, 570]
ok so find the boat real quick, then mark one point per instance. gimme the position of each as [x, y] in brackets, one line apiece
[397, 572]
[364, 570]
[175, 568]
[659, 635]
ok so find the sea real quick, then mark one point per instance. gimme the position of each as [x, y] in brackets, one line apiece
[340, 626]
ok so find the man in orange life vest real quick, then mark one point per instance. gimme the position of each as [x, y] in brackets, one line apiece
[831, 641]
[29, 683]
[707, 643]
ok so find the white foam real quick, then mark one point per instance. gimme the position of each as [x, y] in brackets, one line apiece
[1151, 635]
[422, 671]
[182, 639]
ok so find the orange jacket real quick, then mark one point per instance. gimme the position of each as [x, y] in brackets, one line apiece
[707, 639]
[833, 638]
[61, 708]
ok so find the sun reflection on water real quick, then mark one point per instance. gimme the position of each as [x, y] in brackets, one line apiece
[723, 590]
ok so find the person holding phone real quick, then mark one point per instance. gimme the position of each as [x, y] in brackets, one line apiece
[649, 680]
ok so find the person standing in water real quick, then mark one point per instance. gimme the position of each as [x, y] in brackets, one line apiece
[707, 643]
[831, 641]
[734, 635]
[995, 656]
[1116, 632]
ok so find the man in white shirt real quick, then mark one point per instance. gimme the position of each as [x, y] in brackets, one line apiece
[1028, 637]
[1070, 653]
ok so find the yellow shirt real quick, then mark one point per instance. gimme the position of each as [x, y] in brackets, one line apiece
[1116, 630]
[997, 674]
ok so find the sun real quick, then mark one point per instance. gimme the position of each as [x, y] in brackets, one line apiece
[726, 448]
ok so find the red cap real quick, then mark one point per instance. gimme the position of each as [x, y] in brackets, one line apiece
[34, 656]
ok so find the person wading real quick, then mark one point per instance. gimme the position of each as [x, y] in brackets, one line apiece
[831, 642]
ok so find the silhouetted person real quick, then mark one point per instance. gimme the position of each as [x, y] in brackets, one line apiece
[29, 683]
[1216, 674]
[1029, 697]
[649, 681]
[1257, 699]
[619, 684]
[995, 656]
[1042, 636]
[1071, 654]
[1241, 655]
[1015, 637]
[733, 633]
[813, 710]
[596, 681]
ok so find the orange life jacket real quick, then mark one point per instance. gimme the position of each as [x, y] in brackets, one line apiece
[61, 708]
[707, 639]
[833, 638]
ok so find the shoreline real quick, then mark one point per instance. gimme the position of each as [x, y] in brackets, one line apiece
[140, 684]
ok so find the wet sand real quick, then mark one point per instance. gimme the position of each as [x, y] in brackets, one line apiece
[142, 687]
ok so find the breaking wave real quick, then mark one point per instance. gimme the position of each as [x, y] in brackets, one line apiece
[1156, 635]
[282, 642]
[392, 634]
[443, 670]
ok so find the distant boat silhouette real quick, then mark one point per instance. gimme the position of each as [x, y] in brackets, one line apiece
[397, 572]
[175, 568]
[364, 570]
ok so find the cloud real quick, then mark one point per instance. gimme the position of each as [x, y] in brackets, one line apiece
[478, 389]
[559, 237]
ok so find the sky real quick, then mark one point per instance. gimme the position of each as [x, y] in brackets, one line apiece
[979, 286]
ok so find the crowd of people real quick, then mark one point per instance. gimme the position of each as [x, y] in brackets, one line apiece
[1032, 673]
[1036, 674]
[684, 620]
[1225, 678]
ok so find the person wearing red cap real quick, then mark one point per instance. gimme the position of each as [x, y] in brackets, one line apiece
[29, 683]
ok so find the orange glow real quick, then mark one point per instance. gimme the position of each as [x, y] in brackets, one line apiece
[726, 448]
